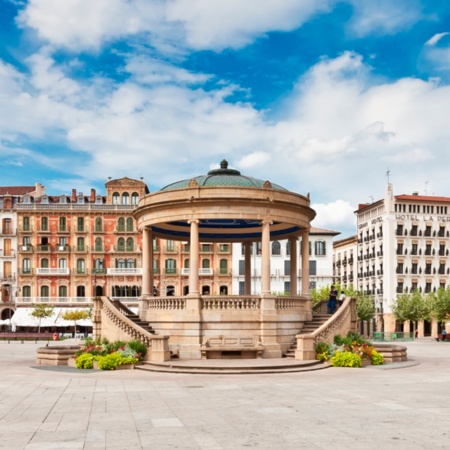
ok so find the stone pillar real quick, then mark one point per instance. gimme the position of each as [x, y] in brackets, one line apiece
[305, 263]
[193, 259]
[265, 263]
[293, 274]
[147, 263]
[247, 268]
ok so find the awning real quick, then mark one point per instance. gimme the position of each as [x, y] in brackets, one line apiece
[22, 318]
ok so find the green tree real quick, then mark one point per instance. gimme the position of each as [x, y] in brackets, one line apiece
[76, 315]
[413, 307]
[439, 305]
[42, 311]
[365, 306]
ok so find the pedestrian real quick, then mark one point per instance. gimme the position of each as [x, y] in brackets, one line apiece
[416, 334]
[55, 336]
[444, 334]
[341, 298]
[332, 300]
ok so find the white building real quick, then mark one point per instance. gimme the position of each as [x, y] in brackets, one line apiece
[403, 245]
[345, 263]
[320, 263]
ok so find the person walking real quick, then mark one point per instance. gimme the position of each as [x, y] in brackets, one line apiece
[332, 300]
[444, 334]
[341, 298]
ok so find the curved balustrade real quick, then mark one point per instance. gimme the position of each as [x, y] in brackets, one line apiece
[166, 303]
[289, 303]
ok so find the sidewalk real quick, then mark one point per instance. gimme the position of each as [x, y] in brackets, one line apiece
[368, 408]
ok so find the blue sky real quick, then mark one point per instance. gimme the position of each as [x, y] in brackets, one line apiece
[320, 96]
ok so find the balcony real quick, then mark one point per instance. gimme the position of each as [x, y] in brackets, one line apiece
[62, 248]
[223, 271]
[185, 249]
[201, 272]
[98, 249]
[7, 253]
[54, 300]
[123, 230]
[127, 249]
[80, 248]
[80, 229]
[98, 230]
[52, 271]
[206, 248]
[170, 249]
[80, 272]
[26, 229]
[63, 230]
[124, 271]
[8, 231]
[44, 248]
[98, 271]
[26, 272]
[170, 271]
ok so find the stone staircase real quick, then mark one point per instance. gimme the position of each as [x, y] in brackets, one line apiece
[308, 328]
[133, 317]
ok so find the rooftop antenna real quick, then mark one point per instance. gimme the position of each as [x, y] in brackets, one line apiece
[388, 173]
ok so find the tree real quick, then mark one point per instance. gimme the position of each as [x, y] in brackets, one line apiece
[439, 304]
[42, 311]
[413, 307]
[76, 315]
[365, 307]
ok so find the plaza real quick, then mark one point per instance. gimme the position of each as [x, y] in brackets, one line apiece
[401, 406]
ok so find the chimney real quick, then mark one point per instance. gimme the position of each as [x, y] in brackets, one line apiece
[74, 195]
[415, 193]
[92, 195]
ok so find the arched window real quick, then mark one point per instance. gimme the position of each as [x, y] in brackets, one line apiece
[120, 263]
[130, 244]
[206, 263]
[44, 263]
[125, 198]
[171, 266]
[186, 263]
[134, 198]
[26, 224]
[45, 292]
[62, 264]
[80, 244]
[98, 224]
[130, 224]
[98, 244]
[155, 266]
[224, 266]
[62, 224]
[223, 290]
[121, 244]
[135, 291]
[62, 291]
[98, 265]
[116, 198]
[80, 265]
[320, 248]
[120, 224]
[81, 291]
[131, 263]
[170, 291]
[26, 291]
[276, 248]
[44, 223]
[288, 248]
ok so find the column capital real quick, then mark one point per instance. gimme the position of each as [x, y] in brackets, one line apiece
[189, 221]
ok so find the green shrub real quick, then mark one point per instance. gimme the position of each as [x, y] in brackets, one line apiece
[139, 347]
[345, 359]
[85, 361]
[377, 358]
[111, 361]
[321, 347]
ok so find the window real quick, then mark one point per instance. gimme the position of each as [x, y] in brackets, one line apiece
[414, 249]
[276, 248]
[80, 244]
[126, 198]
[186, 263]
[121, 244]
[243, 249]
[26, 265]
[241, 287]
[80, 199]
[399, 231]
[134, 198]
[116, 198]
[98, 244]
[62, 242]
[80, 265]
[287, 267]
[288, 248]
[400, 288]
[62, 224]
[26, 241]
[62, 291]
[206, 264]
[44, 223]
[287, 286]
[241, 267]
[80, 224]
[171, 266]
[427, 288]
[130, 244]
[62, 264]
[428, 268]
[313, 267]
[131, 263]
[130, 224]
[170, 246]
[319, 248]
[81, 291]
[98, 265]
[26, 224]
[399, 249]
[120, 224]
[26, 291]
[155, 266]
[98, 224]
[45, 292]
[414, 230]
[400, 268]
[224, 266]
[45, 199]
[120, 263]
[224, 248]
[99, 200]
[44, 263]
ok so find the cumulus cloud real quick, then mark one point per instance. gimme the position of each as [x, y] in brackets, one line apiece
[436, 38]
[337, 215]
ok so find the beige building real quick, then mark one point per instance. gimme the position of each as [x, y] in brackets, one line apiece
[345, 263]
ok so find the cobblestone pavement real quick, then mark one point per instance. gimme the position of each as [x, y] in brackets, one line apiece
[367, 408]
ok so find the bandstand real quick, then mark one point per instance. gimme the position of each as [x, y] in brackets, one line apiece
[227, 207]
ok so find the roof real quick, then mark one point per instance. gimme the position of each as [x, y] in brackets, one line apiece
[314, 230]
[422, 198]
[16, 190]
[223, 177]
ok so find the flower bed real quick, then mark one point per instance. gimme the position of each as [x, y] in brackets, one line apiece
[107, 355]
[349, 351]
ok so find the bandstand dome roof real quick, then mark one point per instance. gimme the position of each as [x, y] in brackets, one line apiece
[222, 177]
[228, 206]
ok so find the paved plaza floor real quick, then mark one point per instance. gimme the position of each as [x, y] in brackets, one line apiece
[370, 408]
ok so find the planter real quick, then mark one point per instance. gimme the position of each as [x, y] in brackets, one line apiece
[366, 362]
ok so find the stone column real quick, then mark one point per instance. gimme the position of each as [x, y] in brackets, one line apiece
[293, 274]
[193, 259]
[305, 263]
[147, 263]
[265, 262]
[247, 268]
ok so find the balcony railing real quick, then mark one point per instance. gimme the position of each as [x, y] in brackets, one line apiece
[8, 231]
[124, 271]
[26, 271]
[44, 248]
[129, 249]
[170, 271]
[7, 253]
[80, 248]
[52, 271]
[53, 300]
[62, 248]
[28, 248]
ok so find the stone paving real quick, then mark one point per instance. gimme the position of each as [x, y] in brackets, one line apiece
[367, 408]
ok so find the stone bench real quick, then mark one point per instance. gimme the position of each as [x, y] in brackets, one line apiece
[229, 347]
[392, 353]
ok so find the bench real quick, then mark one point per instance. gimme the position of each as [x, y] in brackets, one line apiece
[230, 347]
[439, 338]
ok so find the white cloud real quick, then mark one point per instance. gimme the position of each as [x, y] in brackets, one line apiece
[436, 38]
[337, 215]
[254, 159]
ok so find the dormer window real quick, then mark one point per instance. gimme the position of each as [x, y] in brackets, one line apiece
[98, 200]
[80, 199]
[63, 199]
[44, 199]
[27, 199]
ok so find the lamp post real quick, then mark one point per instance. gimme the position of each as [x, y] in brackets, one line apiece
[381, 316]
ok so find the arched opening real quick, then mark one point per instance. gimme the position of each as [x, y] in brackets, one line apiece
[98, 291]
[185, 290]
[223, 290]
[206, 290]
[7, 314]
[170, 291]
[81, 291]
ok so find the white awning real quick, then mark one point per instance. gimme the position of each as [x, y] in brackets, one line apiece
[22, 318]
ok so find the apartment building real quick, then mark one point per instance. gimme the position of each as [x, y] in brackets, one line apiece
[345, 263]
[403, 245]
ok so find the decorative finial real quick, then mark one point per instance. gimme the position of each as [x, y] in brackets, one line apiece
[224, 164]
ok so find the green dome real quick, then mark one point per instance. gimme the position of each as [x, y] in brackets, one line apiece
[222, 177]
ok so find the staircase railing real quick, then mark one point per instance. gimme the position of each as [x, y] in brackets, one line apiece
[341, 322]
[109, 321]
